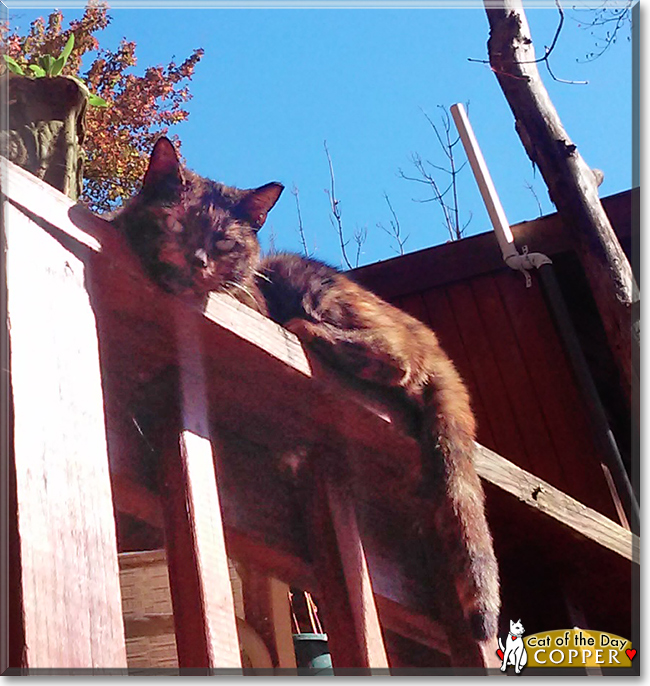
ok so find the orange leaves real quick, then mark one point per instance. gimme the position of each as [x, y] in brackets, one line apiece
[140, 106]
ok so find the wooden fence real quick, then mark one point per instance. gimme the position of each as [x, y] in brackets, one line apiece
[213, 424]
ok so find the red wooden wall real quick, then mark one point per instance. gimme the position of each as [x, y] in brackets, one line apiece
[501, 337]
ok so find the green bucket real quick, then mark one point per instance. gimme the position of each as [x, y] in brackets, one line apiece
[312, 653]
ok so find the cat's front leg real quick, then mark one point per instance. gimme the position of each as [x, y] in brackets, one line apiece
[356, 351]
[522, 660]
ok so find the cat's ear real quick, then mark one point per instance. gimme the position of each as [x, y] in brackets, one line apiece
[257, 203]
[163, 165]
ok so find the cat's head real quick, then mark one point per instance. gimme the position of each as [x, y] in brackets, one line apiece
[516, 628]
[194, 235]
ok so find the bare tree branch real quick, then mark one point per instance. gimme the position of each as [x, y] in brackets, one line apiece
[360, 236]
[395, 230]
[335, 218]
[272, 238]
[605, 16]
[301, 231]
[447, 142]
[529, 186]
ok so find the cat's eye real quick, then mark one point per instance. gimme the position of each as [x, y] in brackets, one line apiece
[225, 244]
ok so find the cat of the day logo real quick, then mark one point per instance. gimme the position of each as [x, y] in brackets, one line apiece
[563, 648]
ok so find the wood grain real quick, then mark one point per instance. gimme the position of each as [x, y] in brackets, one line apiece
[256, 372]
[204, 611]
[70, 584]
[541, 496]
[346, 599]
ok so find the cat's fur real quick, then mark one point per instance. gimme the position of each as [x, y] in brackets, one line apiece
[196, 236]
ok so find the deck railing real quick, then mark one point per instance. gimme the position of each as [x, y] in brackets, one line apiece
[212, 423]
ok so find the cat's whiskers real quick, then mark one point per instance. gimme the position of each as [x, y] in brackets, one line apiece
[261, 275]
[241, 287]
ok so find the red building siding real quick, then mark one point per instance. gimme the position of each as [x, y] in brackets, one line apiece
[503, 341]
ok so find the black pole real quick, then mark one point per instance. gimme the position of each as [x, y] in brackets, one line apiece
[604, 436]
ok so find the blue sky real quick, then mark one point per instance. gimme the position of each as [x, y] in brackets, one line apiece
[275, 83]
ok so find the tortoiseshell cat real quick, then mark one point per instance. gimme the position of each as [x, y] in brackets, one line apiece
[196, 236]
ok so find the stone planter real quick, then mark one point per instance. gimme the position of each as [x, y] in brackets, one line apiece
[45, 129]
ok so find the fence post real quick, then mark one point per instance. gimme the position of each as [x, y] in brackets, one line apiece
[345, 590]
[71, 613]
[204, 611]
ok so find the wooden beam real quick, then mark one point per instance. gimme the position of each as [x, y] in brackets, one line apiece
[346, 598]
[225, 318]
[134, 499]
[280, 615]
[71, 604]
[541, 496]
[26, 190]
[204, 612]
[227, 332]
[413, 625]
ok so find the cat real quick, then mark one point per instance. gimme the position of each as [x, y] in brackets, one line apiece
[514, 652]
[194, 236]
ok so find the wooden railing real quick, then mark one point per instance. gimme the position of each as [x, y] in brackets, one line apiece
[124, 397]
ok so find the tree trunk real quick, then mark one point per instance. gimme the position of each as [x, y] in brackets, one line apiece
[45, 129]
[572, 184]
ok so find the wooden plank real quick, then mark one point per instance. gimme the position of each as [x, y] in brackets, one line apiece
[258, 330]
[204, 612]
[440, 317]
[413, 625]
[70, 581]
[133, 499]
[540, 495]
[46, 201]
[533, 433]
[346, 599]
[560, 401]
[280, 615]
[480, 353]
[357, 578]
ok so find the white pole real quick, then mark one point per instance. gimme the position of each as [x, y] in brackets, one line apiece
[492, 203]
[484, 180]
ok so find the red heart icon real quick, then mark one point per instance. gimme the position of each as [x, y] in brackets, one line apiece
[630, 653]
[500, 653]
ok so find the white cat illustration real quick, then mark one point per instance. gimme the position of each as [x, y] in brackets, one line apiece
[514, 652]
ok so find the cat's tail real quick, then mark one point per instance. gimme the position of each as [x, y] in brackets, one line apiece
[460, 521]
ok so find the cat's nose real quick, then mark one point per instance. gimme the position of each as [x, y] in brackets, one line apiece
[201, 257]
